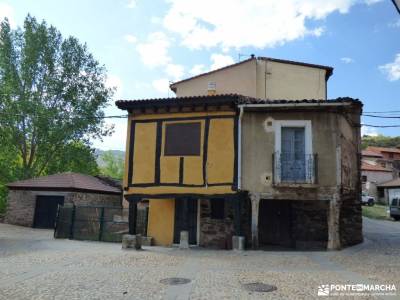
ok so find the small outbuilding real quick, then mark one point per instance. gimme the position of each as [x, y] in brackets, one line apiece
[391, 190]
[34, 202]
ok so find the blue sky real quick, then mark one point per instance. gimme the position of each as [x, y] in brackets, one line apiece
[146, 44]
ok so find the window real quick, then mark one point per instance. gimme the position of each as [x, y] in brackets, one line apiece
[182, 139]
[364, 178]
[391, 155]
[217, 209]
[381, 193]
[294, 160]
[383, 164]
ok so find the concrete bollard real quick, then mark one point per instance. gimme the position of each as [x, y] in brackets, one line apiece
[184, 240]
[238, 242]
[130, 241]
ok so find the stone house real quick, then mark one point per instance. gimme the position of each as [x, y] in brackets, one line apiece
[372, 175]
[262, 163]
[391, 190]
[34, 202]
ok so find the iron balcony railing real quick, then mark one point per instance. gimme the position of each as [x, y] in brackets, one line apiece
[295, 168]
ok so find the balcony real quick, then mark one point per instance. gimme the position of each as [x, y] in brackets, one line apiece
[292, 168]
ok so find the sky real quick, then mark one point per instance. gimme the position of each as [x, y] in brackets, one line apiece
[144, 45]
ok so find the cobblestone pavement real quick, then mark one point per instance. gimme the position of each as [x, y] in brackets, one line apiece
[35, 266]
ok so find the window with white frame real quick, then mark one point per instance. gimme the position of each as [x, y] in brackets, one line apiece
[294, 160]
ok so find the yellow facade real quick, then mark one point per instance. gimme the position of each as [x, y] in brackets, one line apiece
[207, 173]
[161, 221]
[151, 174]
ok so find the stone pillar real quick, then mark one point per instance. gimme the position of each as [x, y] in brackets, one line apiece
[255, 204]
[184, 240]
[334, 224]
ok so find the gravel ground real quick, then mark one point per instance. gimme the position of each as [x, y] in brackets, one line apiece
[35, 266]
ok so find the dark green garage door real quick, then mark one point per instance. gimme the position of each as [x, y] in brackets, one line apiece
[46, 211]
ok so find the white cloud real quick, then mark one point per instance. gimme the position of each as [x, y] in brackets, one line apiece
[197, 69]
[395, 24]
[347, 60]
[114, 81]
[7, 11]
[371, 131]
[161, 85]
[220, 61]
[175, 72]
[154, 52]
[371, 2]
[254, 23]
[130, 38]
[131, 4]
[392, 70]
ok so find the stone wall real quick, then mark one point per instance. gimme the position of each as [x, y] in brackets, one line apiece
[21, 203]
[309, 224]
[350, 220]
[217, 233]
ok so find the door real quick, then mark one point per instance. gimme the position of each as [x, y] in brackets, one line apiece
[275, 223]
[293, 159]
[46, 211]
[186, 219]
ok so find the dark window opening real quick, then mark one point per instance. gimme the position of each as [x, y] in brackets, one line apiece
[217, 209]
[364, 178]
[381, 193]
[182, 139]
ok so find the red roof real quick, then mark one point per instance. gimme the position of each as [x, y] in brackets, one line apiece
[371, 153]
[383, 149]
[370, 167]
[66, 182]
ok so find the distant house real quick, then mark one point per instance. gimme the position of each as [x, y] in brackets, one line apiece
[389, 157]
[373, 174]
[34, 202]
[391, 189]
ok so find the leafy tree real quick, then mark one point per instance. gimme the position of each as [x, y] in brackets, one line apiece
[52, 95]
[380, 141]
[75, 157]
[113, 166]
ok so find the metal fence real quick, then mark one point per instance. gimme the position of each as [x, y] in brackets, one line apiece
[294, 168]
[95, 223]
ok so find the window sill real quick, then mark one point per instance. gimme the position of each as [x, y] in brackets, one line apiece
[295, 185]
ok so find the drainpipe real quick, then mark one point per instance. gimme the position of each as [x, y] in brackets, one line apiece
[239, 169]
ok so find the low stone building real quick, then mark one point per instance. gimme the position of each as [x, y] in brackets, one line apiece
[34, 202]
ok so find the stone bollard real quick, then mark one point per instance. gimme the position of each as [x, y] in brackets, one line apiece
[130, 241]
[238, 243]
[184, 241]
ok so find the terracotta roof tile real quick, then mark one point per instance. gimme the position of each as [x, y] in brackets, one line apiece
[383, 149]
[370, 167]
[220, 99]
[392, 183]
[371, 153]
[66, 181]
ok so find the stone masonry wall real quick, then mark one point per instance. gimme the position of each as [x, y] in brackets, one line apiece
[21, 203]
[350, 220]
[215, 233]
[310, 226]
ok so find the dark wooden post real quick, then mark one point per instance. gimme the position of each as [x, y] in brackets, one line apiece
[237, 215]
[132, 216]
[101, 223]
[71, 228]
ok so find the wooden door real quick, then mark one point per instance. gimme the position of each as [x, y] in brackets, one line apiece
[275, 223]
[186, 219]
[46, 211]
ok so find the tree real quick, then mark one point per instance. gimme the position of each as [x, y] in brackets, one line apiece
[380, 141]
[52, 95]
[113, 166]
